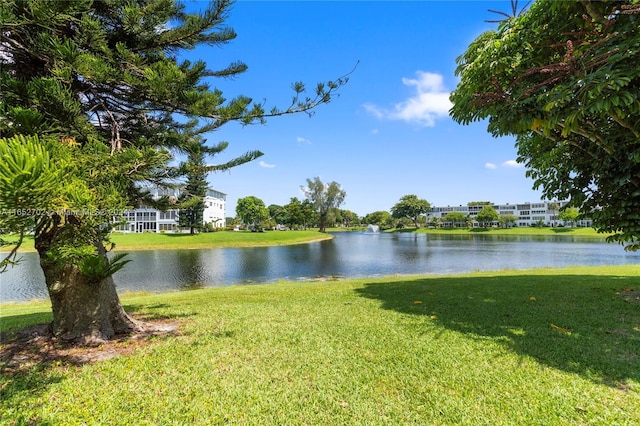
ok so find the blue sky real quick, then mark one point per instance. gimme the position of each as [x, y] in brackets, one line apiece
[388, 133]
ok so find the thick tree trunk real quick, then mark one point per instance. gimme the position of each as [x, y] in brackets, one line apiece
[84, 311]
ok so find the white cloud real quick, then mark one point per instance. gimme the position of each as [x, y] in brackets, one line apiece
[374, 110]
[303, 141]
[490, 166]
[266, 165]
[512, 164]
[429, 103]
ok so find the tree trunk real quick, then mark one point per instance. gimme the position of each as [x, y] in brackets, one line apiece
[84, 312]
[322, 219]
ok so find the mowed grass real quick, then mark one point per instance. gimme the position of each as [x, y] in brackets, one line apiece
[156, 241]
[521, 231]
[160, 241]
[537, 347]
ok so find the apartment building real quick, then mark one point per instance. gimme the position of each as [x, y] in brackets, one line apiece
[527, 214]
[147, 219]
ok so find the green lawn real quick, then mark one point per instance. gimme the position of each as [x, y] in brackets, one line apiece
[154, 241]
[579, 232]
[537, 347]
[159, 241]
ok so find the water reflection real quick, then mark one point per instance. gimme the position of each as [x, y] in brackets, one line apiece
[410, 250]
[348, 255]
[254, 262]
[190, 270]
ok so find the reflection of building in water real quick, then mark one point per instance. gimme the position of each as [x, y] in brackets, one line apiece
[526, 214]
[147, 219]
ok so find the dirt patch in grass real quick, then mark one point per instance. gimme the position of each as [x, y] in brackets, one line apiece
[37, 346]
[630, 295]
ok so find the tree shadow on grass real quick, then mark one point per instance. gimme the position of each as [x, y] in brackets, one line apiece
[12, 324]
[30, 357]
[26, 367]
[145, 312]
[25, 386]
[575, 323]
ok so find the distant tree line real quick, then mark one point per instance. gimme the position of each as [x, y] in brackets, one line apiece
[320, 209]
[409, 211]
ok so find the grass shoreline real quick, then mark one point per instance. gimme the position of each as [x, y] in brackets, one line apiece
[223, 239]
[516, 231]
[545, 346]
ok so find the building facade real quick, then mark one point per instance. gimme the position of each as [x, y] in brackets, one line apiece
[147, 219]
[526, 214]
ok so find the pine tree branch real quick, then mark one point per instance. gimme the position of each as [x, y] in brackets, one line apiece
[11, 258]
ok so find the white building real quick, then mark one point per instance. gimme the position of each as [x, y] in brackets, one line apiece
[147, 219]
[527, 214]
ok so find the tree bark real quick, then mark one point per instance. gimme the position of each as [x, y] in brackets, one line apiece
[84, 312]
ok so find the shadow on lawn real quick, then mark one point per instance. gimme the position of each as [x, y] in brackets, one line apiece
[30, 356]
[580, 324]
[155, 312]
[12, 324]
[26, 386]
[24, 378]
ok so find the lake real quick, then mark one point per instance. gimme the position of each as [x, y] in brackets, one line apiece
[348, 255]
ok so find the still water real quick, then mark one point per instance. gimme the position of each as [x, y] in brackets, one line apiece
[347, 255]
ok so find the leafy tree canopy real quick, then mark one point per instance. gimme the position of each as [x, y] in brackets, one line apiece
[324, 197]
[293, 212]
[277, 213]
[563, 78]
[569, 215]
[381, 218]
[455, 217]
[299, 213]
[487, 215]
[411, 207]
[251, 210]
[349, 218]
[507, 219]
[101, 85]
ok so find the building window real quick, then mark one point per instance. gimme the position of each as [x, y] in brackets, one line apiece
[169, 214]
